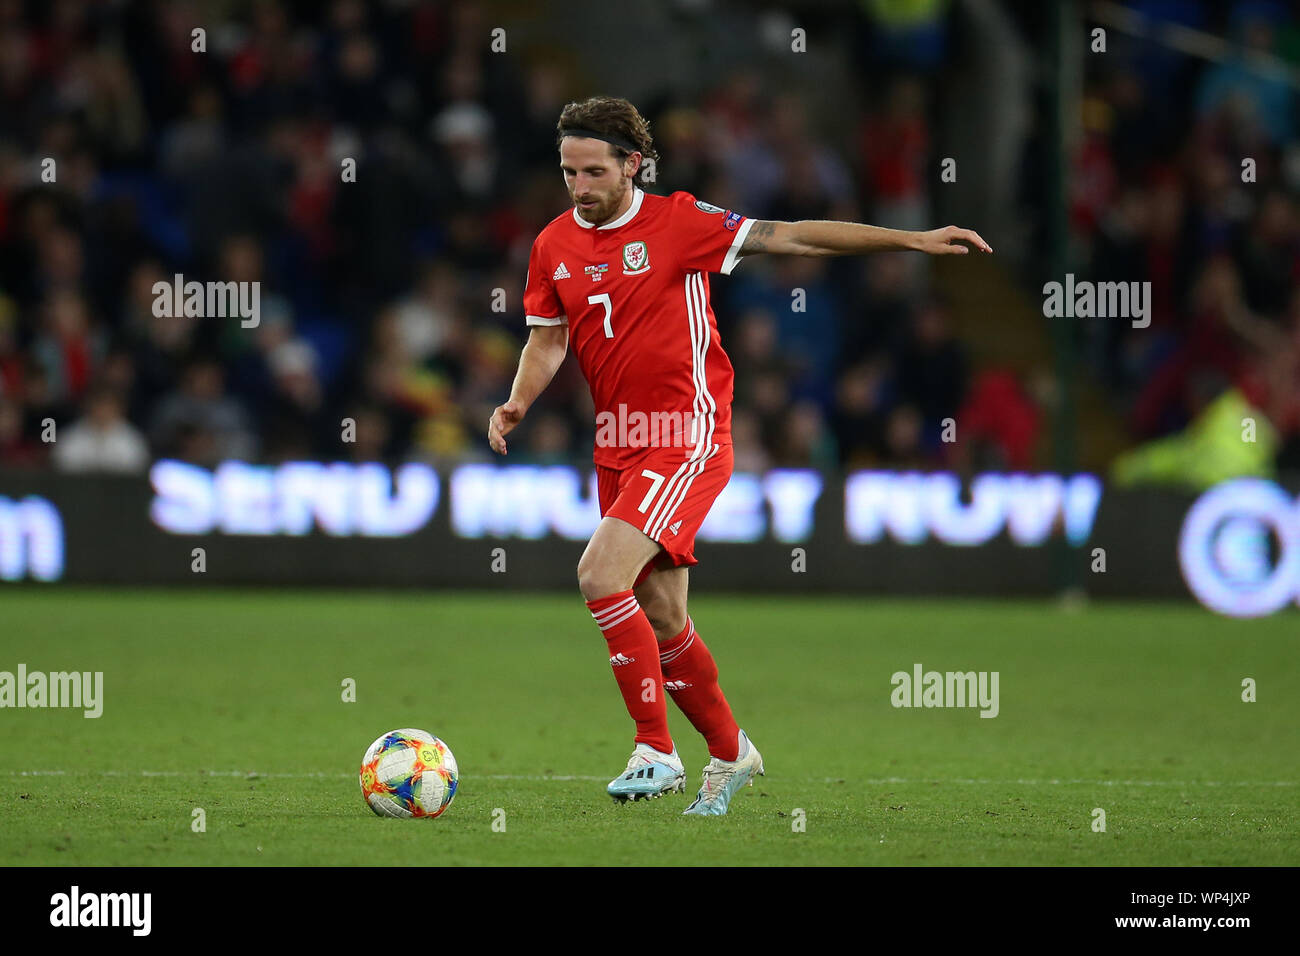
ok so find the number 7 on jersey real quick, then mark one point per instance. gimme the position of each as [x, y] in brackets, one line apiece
[603, 299]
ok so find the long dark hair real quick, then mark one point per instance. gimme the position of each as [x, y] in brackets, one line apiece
[612, 116]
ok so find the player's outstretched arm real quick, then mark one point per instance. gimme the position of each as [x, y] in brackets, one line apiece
[816, 237]
[538, 363]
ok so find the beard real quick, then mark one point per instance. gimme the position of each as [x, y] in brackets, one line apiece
[604, 208]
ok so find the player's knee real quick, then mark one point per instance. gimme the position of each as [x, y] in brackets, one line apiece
[596, 581]
[666, 619]
[656, 620]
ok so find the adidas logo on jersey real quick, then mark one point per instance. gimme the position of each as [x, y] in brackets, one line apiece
[560, 273]
[675, 525]
[618, 660]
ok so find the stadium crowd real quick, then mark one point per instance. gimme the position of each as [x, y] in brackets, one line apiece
[1187, 177]
[379, 296]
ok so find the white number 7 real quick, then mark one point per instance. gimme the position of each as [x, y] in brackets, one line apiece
[603, 299]
[656, 480]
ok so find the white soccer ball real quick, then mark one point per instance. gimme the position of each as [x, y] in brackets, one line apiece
[408, 773]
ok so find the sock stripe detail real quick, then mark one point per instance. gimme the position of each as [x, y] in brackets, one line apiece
[604, 615]
[677, 652]
[673, 655]
[632, 611]
[617, 613]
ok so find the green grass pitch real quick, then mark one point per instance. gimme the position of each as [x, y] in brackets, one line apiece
[231, 701]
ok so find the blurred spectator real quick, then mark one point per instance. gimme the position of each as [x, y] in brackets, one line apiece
[895, 148]
[66, 348]
[11, 362]
[16, 449]
[102, 441]
[860, 413]
[932, 366]
[199, 422]
[804, 441]
[913, 35]
[802, 303]
[747, 441]
[423, 317]
[372, 435]
[549, 439]
[464, 132]
[905, 439]
[1257, 102]
[1208, 451]
[999, 425]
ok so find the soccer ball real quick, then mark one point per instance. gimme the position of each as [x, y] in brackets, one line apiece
[408, 773]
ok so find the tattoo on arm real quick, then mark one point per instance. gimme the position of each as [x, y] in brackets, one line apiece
[757, 239]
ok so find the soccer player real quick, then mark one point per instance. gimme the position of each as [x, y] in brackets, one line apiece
[624, 278]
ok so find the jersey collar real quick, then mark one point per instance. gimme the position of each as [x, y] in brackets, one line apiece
[623, 220]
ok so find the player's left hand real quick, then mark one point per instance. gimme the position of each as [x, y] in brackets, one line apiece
[947, 241]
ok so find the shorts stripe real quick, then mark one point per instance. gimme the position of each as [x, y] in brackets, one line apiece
[696, 469]
[662, 497]
[697, 406]
[696, 309]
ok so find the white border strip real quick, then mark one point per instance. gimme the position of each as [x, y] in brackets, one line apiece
[733, 254]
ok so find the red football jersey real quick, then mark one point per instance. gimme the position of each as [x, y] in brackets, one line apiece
[635, 295]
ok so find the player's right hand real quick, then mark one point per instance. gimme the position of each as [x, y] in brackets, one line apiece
[502, 423]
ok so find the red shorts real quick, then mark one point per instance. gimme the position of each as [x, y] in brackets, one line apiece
[666, 494]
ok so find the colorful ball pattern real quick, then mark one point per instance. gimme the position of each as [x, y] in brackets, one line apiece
[408, 773]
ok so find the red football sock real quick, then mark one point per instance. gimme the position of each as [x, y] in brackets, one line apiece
[634, 656]
[691, 677]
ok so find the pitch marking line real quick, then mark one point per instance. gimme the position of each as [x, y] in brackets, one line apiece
[874, 782]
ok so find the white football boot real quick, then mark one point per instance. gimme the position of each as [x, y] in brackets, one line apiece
[722, 778]
[649, 774]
